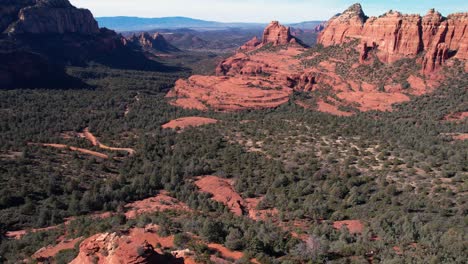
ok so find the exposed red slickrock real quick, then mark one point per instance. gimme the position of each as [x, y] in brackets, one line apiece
[138, 246]
[461, 136]
[331, 109]
[417, 84]
[185, 122]
[460, 116]
[160, 202]
[223, 191]
[251, 44]
[353, 226]
[225, 94]
[374, 100]
[324, 107]
[397, 36]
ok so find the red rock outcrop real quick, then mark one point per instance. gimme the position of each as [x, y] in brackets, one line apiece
[251, 44]
[135, 247]
[54, 16]
[396, 36]
[146, 41]
[343, 27]
[435, 57]
[277, 34]
[191, 121]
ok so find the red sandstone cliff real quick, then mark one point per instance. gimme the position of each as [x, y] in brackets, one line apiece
[396, 36]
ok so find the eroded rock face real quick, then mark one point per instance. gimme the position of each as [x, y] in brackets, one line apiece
[111, 248]
[343, 27]
[147, 41]
[277, 34]
[396, 36]
[251, 44]
[53, 17]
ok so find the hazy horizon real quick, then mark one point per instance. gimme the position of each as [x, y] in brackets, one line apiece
[248, 10]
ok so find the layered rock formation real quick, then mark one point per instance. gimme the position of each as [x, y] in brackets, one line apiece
[48, 34]
[9, 10]
[238, 86]
[343, 27]
[53, 17]
[396, 36]
[259, 77]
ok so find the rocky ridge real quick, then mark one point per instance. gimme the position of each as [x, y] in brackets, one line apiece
[347, 68]
[51, 17]
[146, 41]
[54, 33]
[396, 36]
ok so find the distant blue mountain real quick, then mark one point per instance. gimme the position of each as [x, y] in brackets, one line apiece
[137, 23]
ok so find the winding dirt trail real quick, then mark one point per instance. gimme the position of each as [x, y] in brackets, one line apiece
[66, 147]
[95, 142]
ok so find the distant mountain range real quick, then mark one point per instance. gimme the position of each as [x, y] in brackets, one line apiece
[122, 23]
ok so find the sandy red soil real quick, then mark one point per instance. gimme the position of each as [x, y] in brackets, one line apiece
[95, 142]
[455, 117]
[20, 233]
[463, 136]
[51, 251]
[186, 122]
[81, 150]
[354, 226]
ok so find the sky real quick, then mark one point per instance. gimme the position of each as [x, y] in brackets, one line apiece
[263, 11]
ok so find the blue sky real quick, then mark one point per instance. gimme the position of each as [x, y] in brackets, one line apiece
[261, 10]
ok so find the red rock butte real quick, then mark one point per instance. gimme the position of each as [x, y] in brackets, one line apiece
[264, 73]
[241, 81]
